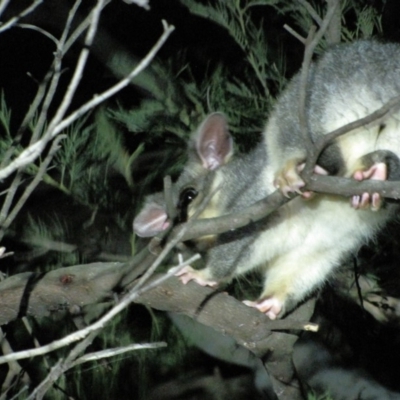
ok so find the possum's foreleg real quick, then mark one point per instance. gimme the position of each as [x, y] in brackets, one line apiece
[288, 179]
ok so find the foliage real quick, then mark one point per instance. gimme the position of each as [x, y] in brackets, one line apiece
[312, 396]
[245, 97]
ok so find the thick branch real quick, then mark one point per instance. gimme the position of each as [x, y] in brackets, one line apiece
[58, 291]
[217, 309]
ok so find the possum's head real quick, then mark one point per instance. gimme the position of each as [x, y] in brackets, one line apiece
[210, 148]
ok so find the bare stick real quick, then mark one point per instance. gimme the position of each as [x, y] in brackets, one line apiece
[63, 366]
[295, 34]
[9, 198]
[3, 5]
[14, 369]
[76, 78]
[116, 88]
[374, 118]
[56, 66]
[15, 19]
[40, 30]
[312, 41]
[311, 11]
[140, 3]
[28, 191]
[333, 34]
[80, 29]
[116, 351]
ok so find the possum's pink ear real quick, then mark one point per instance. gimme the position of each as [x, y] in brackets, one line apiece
[213, 142]
[151, 220]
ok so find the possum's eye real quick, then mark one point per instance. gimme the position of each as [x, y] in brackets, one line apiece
[185, 198]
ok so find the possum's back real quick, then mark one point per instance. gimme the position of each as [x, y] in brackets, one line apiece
[347, 83]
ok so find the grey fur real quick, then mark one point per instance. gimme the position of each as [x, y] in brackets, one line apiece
[301, 244]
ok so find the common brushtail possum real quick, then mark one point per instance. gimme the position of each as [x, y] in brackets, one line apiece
[299, 246]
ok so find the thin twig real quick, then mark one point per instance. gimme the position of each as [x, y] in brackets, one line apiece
[97, 99]
[28, 117]
[80, 29]
[78, 72]
[374, 118]
[312, 41]
[333, 34]
[40, 30]
[55, 77]
[305, 69]
[311, 11]
[14, 369]
[14, 20]
[98, 355]
[42, 388]
[36, 180]
[295, 34]
[12, 190]
[3, 5]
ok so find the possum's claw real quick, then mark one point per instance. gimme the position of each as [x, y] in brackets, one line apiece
[271, 307]
[377, 171]
[187, 274]
[288, 179]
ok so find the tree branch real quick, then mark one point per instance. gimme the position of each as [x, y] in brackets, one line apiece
[66, 289]
[12, 21]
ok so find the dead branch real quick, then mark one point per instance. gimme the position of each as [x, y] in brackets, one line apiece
[247, 326]
[117, 351]
[31, 187]
[56, 292]
[373, 119]
[311, 43]
[48, 94]
[333, 33]
[217, 309]
[310, 9]
[317, 183]
[28, 293]
[14, 20]
[73, 359]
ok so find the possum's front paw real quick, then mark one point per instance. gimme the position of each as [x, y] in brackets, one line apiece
[188, 274]
[288, 179]
[271, 307]
[377, 171]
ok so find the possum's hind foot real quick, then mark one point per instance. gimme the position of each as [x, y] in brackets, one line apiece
[187, 274]
[271, 306]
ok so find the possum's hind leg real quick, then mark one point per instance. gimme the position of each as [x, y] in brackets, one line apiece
[378, 165]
